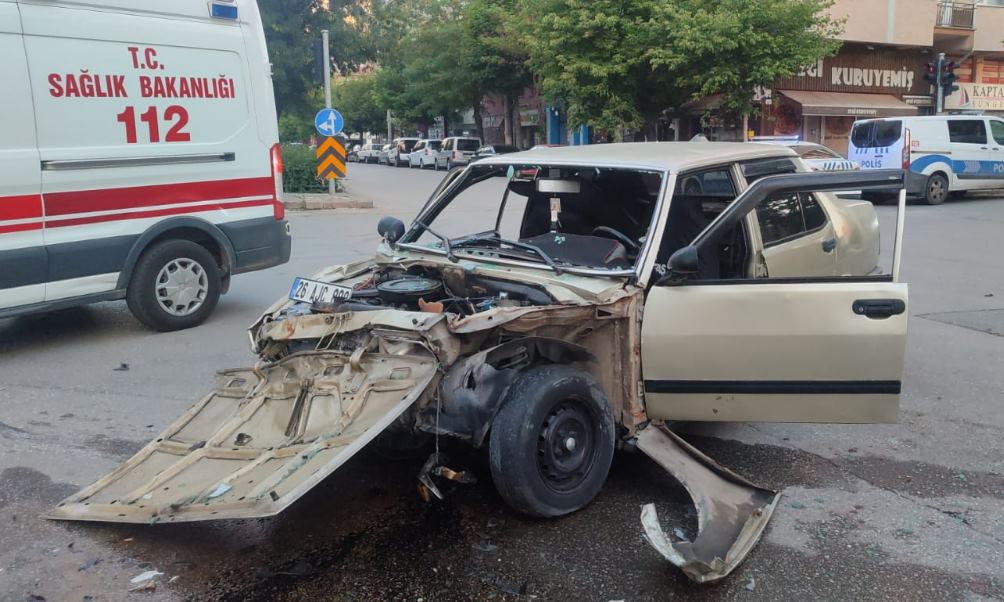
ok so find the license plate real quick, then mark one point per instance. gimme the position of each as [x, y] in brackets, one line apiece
[312, 291]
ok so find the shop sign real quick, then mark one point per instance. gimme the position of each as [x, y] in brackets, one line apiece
[529, 117]
[983, 97]
[857, 69]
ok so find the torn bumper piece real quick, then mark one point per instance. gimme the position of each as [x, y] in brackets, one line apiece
[260, 440]
[731, 512]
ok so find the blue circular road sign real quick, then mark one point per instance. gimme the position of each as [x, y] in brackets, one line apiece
[329, 122]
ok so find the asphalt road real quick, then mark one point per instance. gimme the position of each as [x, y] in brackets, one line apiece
[906, 512]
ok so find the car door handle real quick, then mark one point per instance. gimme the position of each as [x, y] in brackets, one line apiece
[829, 245]
[879, 308]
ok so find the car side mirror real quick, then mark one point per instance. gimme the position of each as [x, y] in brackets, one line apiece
[390, 229]
[685, 261]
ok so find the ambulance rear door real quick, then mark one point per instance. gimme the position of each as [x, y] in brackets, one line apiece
[22, 248]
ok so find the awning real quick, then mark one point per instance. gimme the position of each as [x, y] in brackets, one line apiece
[844, 103]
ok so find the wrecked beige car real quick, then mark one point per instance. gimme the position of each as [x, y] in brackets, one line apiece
[553, 306]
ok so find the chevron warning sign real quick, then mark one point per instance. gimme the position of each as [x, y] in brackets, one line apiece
[330, 159]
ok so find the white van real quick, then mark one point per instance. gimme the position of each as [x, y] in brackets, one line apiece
[139, 155]
[457, 150]
[946, 155]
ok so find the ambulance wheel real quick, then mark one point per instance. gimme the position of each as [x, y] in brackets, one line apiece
[552, 441]
[175, 285]
[936, 190]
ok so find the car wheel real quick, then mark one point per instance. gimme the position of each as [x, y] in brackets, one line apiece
[936, 190]
[552, 441]
[175, 285]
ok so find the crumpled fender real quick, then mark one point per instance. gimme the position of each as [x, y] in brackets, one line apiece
[473, 388]
[731, 512]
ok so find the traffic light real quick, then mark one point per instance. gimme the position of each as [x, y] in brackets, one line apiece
[948, 77]
[319, 65]
[931, 72]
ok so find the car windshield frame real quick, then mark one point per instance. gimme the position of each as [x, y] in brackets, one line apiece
[428, 214]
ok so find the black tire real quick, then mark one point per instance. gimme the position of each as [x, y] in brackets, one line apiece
[936, 189]
[449, 165]
[142, 294]
[534, 468]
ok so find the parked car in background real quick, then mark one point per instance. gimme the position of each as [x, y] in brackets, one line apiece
[457, 150]
[158, 202]
[352, 153]
[384, 155]
[369, 153]
[400, 152]
[424, 153]
[816, 156]
[944, 155]
[490, 150]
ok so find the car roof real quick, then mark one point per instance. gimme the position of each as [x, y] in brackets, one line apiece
[662, 156]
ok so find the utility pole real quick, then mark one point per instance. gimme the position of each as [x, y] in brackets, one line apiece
[327, 89]
[939, 91]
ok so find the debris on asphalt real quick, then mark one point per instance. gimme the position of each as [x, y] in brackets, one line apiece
[122, 368]
[797, 505]
[89, 564]
[751, 584]
[486, 547]
[680, 534]
[145, 581]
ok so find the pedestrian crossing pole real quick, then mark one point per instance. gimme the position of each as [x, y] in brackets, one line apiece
[327, 89]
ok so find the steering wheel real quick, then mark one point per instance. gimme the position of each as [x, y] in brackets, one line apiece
[608, 232]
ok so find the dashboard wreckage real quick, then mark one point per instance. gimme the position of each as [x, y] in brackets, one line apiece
[613, 291]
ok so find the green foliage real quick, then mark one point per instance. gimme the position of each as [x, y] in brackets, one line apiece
[356, 98]
[299, 169]
[292, 27]
[614, 63]
[295, 128]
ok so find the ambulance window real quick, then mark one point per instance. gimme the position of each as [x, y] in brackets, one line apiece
[967, 131]
[997, 129]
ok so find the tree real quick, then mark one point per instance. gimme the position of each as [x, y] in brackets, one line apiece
[292, 27]
[618, 63]
[355, 96]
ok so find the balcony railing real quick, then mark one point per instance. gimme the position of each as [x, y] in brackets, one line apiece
[955, 14]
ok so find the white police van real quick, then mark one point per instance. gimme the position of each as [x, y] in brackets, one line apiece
[945, 155]
[139, 155]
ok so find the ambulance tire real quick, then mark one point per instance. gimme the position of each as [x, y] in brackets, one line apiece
[552, 441]
[142, 295]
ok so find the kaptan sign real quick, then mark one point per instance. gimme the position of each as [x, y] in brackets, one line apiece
[982, 97]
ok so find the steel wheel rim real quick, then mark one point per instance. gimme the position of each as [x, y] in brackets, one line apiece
[937, 189]
[566, 445]
[181, 287]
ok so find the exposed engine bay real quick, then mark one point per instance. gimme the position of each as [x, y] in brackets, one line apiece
[433, 290]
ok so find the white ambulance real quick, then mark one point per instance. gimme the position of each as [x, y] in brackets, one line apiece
[139, 155]
[944, 155]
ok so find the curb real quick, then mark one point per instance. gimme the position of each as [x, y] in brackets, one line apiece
[313, 202]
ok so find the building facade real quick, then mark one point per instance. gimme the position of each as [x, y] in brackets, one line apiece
[878, 72]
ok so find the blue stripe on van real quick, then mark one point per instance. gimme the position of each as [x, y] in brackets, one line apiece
[962, 169]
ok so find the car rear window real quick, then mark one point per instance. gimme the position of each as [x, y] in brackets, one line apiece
[876, 134]
[435, 144]
[967, 131]
[408, 145]
[467, 144]
[816, 152]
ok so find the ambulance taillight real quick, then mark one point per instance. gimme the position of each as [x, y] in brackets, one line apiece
[278, 208]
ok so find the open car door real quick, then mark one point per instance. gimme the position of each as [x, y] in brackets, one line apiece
[827, 349]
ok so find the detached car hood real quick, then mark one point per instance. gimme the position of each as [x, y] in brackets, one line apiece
[260, 440]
